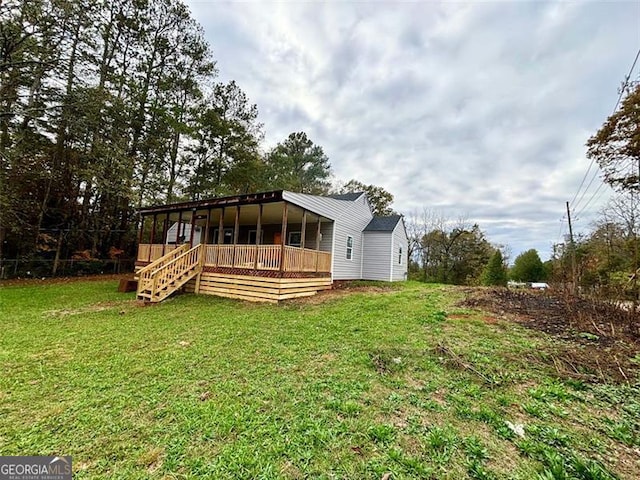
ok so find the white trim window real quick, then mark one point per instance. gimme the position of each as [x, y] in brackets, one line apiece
[400, 255]
[349, 247]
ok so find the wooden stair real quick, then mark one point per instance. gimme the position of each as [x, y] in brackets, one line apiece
[166, 275]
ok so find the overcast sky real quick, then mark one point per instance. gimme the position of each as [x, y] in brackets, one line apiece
[479, 109]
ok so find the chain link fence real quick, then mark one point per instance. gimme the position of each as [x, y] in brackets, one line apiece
[40, 268]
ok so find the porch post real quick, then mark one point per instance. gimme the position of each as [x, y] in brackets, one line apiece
[220, 235]
[193, 227]
[303, 229]
[258, 228]
[317, 243]
[236, 228]
[165, 228]
[179, 225]
[139, 236]
[141, 229]
[207, 225]
[153, 228]
[205, 239]
[283, 235]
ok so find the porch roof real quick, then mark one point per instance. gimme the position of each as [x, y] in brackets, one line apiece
[218, 202]
[329, 207]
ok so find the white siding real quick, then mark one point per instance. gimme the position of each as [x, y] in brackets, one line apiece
[326, 231]
[325, 206]
[350, 223]
[350, 218]
[399, 270]
[377, 246]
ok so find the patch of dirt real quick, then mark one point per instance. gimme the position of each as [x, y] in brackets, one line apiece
[600, 340]
[458, 316]
[319, 298]
[97, 307]
[340, 289]
[364, 286]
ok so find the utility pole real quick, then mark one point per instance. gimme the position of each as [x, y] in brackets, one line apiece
[573, 253]
[636, 270]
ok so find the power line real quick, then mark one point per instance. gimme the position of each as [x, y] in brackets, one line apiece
[576, 205]
[561, 231]
[625, 84]
[590, 199]
[623, 89]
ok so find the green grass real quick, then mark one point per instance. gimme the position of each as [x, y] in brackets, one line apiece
[354, 387]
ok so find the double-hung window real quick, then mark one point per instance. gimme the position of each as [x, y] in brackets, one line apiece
[349, 248]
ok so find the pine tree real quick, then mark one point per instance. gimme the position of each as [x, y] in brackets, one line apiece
[299, 165]
[495, 274]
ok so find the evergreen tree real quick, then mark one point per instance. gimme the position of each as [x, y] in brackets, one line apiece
[299, 165]
[495, 273]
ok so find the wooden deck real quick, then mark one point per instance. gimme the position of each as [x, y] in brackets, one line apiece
[250, 272]
[257, 288]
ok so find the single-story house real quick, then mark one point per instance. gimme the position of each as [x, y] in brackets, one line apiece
[266, 246]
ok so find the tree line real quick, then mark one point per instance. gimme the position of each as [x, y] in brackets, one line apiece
[606, 260]
[456, 251]
[106, 106]
[110, 105]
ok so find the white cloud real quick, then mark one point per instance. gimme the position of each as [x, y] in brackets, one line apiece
[480, 108]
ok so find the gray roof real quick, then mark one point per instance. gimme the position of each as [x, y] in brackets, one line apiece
[351, 196]
[383, 224]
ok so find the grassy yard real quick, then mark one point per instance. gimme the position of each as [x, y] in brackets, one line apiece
[384, 383]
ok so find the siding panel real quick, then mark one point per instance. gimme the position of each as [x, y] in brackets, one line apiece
[399, 270]
[350, 223]
[377, 246]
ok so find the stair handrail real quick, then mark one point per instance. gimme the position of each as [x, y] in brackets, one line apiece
[166, 257]
[155, 274]
[179, 257]
[145, 274]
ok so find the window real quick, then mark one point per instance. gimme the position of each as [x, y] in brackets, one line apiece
[400, 256]
[295, 239]
[228, 236]
[252, 237]
[349, 248]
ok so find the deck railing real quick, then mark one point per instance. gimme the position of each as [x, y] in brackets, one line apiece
[152, 252]
[255, 257]
[306, 260]
[260, 257]
[267, 257]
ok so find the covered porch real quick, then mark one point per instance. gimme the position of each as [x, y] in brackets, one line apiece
[239, 238]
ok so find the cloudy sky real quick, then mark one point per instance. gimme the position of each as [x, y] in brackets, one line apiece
[479, 109]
